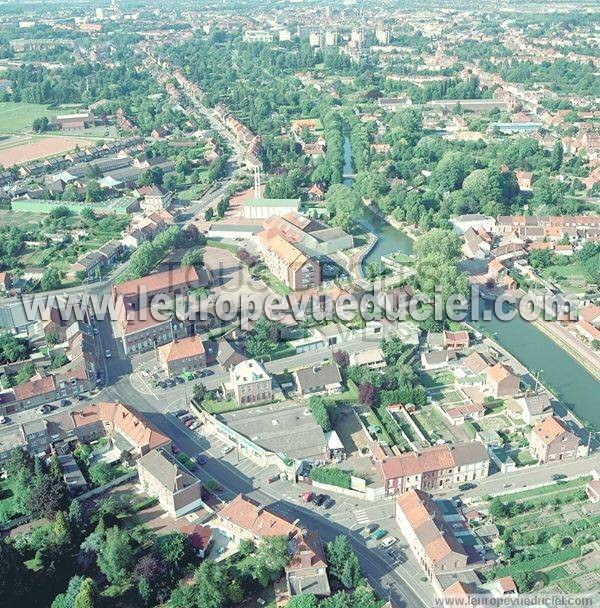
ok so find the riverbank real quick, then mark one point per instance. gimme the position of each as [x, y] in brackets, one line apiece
[574, 385]
[521, 368]
[570, 346]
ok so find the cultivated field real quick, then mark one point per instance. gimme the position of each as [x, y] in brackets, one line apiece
[22, 149]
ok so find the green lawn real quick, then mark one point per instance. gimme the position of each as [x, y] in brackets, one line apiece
[16, 117]
[7, 501]
[275, 284]
[570, 276]
[350, 395]
[436, 379]
[220, 407]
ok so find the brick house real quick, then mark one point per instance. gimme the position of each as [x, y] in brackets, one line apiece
[289, 264]
[184, 354]
[429, 537]
[551, 440]
[434, 467]
[502, 381]
[163, 477]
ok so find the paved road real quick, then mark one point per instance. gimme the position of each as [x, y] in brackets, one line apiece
[283, 495]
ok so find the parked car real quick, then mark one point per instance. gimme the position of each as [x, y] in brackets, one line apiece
[170, 382]
[179, 380]
[388, 542]
[3, 419]
[370, 528]
[44, 409]
[65, 402]
[201, 460]
[107, 353]
[558, 476]
[161, 384]
[307, 496]
[463, 487]
[328, 503]
[319, 499]
[227, 449]
[379, 534]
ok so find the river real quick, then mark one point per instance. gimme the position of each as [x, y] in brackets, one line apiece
[572, 383]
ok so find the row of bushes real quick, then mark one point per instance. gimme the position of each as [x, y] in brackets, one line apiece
[331, 476]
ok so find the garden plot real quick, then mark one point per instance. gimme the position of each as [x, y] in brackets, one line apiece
[494, 423]
[544, 532]
[447, 396]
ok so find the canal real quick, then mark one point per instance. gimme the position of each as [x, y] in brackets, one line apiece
[571, 382]
[389, 239]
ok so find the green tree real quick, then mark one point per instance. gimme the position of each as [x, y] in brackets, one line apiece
[303, 601]
[556, 158]
[116, 555]
[67, 599]
[48, 496]
[344, 206]
[12, 574]
[86, 598]
[343, 562]
[101, 473]
[210, 585]
[50, 279]
[24, 373]
[194, 257]
[174, 549]
[319, 410]
[93, 192]
[270, 559]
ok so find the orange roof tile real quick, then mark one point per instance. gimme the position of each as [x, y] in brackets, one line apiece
[549, 429]
[259, 521]
[182, 348]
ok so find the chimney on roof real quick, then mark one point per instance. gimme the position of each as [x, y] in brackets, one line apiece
[305, 559]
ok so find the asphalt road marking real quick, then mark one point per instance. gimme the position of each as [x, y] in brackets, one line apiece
[361, 516]
[148, 390]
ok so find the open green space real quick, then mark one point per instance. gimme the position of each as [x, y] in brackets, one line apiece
[7, 500]
[436, 379]
[220, 407]
[18, 116]
[570, 276]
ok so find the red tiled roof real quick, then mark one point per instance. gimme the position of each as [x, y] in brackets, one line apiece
[259, 521]
[37, 385]
[199, 536]
[549, 429]
[154, 283]
[182, 348]
[126, 420]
